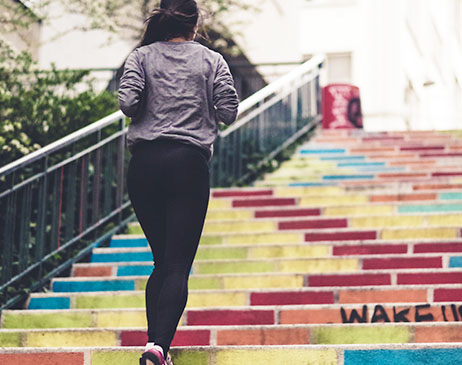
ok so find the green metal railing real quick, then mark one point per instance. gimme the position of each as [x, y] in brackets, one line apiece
[65, 196]
[268, 122]
[56, 197]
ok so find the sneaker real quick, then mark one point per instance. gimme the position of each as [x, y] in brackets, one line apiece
[168, 360]
[152, 357]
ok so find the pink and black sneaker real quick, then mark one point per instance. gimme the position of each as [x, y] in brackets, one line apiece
[155, 357]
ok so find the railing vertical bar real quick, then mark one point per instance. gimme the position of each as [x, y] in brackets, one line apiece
[55, 209]
[24, 232]
[108, 173]
[70, 194]
[96, 186]
[41, 217]
[8, 238]
[83, 206]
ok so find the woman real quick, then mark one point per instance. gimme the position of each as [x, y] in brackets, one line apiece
[175, 91]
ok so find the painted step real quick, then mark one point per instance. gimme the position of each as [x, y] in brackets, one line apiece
[116, 264]
[269, 280]
[252, 193]
[297, 223]
[330, 207]
[357, 182]
[346, 197]
[402, 333]
[241, 316]
[435, 354]
[297, 237]
[293, 265]
[242, 297]
[324, 249]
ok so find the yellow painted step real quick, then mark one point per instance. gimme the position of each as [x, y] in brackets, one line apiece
[359, 210]
[304, 191]
[421, 233]
[230, 227]
[325, 201]
[224, 215]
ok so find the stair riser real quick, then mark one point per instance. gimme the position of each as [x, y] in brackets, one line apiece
[227, 356]
[270, 315]
[261, 298]
[239, 336]
[384, 278]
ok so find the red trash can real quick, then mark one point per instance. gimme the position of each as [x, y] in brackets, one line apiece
[341, 107]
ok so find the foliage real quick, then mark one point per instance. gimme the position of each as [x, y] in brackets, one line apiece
[39, 107]
[15, 16]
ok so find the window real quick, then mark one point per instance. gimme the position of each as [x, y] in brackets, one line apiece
[339, 68]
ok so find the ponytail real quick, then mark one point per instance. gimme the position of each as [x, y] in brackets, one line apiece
[174, 18]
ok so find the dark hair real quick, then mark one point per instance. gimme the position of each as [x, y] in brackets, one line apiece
[174, 18]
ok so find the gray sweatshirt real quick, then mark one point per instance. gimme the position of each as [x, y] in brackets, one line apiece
[177, 90]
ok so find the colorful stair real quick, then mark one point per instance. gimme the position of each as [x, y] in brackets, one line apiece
[349, 253]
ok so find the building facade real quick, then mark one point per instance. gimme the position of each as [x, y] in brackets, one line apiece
[405, 55]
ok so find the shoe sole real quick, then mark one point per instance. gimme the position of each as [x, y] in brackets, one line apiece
[149, 359]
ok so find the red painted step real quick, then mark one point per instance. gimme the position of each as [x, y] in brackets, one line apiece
[287, 213]
[229, 317]
[349, 280]
[292, 298]
[438, 247]
[423, 148]
[238, 193]
[314, 224]
[451, 154]
[441, 174]
[447, 295]
[182, 338]
[430, 278]
[249, 203]
[369, 250]
[341, 236]
[403, 263]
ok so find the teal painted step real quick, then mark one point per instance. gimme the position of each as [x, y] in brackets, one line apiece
[322, 151]
[92, 286]
[343, 158]
[394, 357]
[129, 242]
[125, 257]
[430, 208]
[451, 196]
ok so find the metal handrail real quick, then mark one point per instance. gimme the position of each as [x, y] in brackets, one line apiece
[309, 66]
[268, 121]
[58, 199]
[61, 143]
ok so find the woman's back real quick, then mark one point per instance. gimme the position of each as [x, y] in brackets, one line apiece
[186, 90]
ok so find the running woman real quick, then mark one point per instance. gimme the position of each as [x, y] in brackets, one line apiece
[176, 92]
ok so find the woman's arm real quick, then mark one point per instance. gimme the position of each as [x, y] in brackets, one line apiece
[225, 97]
[131, 85]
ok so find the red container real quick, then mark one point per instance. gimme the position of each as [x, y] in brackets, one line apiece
[341, 107]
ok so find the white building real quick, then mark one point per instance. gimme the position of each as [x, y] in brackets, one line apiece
[405, 55]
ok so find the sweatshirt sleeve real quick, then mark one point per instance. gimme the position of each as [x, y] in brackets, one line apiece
[131, 85]
[225, 97]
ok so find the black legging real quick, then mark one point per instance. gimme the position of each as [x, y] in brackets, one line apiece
[168, 185]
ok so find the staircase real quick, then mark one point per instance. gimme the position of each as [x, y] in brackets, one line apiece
[349, 253]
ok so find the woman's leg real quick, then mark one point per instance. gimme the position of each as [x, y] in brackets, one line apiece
[148, 201]
[187, 194]
[169, 189]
